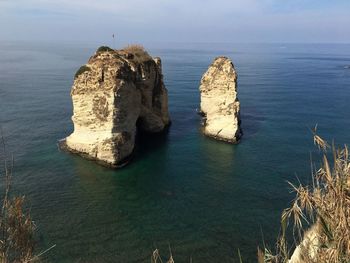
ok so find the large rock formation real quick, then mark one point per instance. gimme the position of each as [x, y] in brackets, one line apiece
[219, 102]
[116, 94]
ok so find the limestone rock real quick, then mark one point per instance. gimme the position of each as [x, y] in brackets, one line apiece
[307, 250]
[115, 95]
[219, 103]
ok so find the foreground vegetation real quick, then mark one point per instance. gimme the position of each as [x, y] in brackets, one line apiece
[323, 208]
[16, 226]
[17, 229]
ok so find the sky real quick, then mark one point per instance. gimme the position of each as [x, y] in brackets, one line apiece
[138, 21]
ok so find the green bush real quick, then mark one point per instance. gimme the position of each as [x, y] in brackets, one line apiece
[104, 49]
[81, 70]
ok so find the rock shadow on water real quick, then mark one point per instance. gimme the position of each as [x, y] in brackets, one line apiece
[147, 143]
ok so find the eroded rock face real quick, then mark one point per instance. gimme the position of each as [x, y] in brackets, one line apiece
[219, 102]
[116, 94]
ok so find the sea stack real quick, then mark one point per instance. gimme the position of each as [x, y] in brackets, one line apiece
[219, 103]
[115, 95]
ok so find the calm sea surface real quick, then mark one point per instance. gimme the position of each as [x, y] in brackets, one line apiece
[203, 198]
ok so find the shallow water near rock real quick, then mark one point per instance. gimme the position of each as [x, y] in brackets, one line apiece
[203, 198]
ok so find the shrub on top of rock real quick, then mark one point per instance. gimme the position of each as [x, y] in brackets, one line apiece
[138, 52]
[104, 49]
[81, 70]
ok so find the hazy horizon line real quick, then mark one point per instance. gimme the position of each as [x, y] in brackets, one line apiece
[125, 43]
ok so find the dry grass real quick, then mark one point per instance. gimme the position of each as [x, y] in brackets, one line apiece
[17, 229]
[156, 258]
[138, 52]
[325, 205]
[134, 48]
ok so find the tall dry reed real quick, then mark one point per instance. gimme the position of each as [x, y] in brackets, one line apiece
[17, 229]
[324, 208]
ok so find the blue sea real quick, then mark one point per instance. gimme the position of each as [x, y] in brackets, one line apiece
[202, 199]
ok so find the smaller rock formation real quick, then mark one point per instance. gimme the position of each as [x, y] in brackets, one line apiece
[115, 95]
[219, 102]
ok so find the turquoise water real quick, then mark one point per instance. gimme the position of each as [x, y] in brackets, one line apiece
[203, 198]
